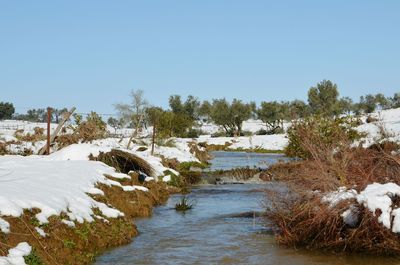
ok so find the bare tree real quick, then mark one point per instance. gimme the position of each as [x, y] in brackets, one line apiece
[134, 112]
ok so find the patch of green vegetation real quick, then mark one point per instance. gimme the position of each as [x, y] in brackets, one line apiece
[34, 221]
[323, 133]
[175, 181]
[33, 258]
[166, 142]
[69, 243]
[83, 232]
[187, 165]
[183, 205]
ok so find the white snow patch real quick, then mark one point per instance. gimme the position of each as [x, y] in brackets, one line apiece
[269, 142]
[4, 226]
[379, 196]
[40, 231]
[167, 178]
[68, 223]
[147, 179]
[52, 186]
[16, 255]
[374, 197]
[134, 187]
[341, 194]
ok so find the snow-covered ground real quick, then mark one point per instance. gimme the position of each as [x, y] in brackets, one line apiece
[60, 183]
[268, 142]
[250, 125]
[389, 119]
[375, 196]
[83, 150]
[16, 255]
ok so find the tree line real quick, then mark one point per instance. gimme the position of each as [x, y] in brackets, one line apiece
[184, 115]
[7, 111]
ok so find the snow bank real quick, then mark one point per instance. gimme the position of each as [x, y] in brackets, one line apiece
[251, 125]
[54, 187]
[269, 142]
[16, 255]
[379, 196]
[374, 197]
[389, 119]
[81, 152]
[4, 226]
[78, 152]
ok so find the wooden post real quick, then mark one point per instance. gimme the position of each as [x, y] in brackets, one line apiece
[58, 129]
[48, 130]
[153, 139]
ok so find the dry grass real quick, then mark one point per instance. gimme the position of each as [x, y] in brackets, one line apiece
[37, 135]
[125, 162]
[302, 221]
[3, 148]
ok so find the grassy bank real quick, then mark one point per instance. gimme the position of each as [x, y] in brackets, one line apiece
[81, 243]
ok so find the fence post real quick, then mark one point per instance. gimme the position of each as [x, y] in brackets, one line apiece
[153, 139]
[57, 130]
[48, 130]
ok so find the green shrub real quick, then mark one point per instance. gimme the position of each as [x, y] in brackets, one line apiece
[166, 142]
[187, 165]
[246, 133]
[33, 258]
[319, 134]
[183, 205]
[261, 132]
[175, 181]
[221, 134]
[193, 133]
[69, 243]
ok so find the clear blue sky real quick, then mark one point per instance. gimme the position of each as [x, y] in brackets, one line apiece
[90, 54]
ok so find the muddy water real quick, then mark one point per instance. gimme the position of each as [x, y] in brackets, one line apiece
[222, 228]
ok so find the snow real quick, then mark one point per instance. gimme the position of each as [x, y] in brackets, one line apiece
[389, 119]
[341, 194]
[374, 197]
[269, 142]
[4, 226]
[251, 125]
[16, 255]
[54, 186]
[40, 231]
[167, 178]
[79, 152]
[134, 187]
[379, 196]
[68, 223]
[82, 151]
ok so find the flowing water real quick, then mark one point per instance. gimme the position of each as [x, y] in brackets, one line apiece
[222, 228]
[230, 160]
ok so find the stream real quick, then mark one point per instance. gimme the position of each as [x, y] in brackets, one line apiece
[222, 228]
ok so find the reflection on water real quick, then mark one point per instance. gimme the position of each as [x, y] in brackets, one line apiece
[229, 160]
[208, 235]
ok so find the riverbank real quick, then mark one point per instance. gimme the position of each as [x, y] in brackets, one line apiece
[340, 197]
[65, 209]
